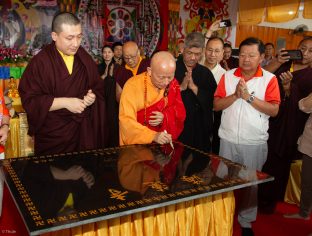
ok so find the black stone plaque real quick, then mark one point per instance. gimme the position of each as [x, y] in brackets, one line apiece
[60, 191]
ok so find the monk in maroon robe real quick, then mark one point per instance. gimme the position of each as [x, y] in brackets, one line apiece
[295, 83]
[63, 94]
[134, 65]
[229, 62]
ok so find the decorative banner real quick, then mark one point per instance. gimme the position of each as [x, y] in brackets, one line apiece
[140, 21]
[198, 15]
[7, 72]
[122, 22]
[164, 22]
[173, 30]
[4, 72]
[26, 24]
[16, 72]
[90, 14]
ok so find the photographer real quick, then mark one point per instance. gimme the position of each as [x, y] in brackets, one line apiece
[295, 81]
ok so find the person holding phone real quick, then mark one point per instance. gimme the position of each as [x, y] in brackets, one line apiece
[295, 83]
[212, 33]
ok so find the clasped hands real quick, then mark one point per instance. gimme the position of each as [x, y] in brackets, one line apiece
[111, 71]
[188, 81]
[77, 105]
[242, 90]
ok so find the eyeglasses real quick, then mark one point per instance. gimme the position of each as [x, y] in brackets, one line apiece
[130, 57]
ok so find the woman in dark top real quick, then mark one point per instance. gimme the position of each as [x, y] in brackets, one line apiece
[107, 64]
[107, 71]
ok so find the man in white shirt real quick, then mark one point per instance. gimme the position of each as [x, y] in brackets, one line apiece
[248, 96]
[213, 54]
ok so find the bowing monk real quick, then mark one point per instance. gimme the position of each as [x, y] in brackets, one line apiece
[151, 108]
[134, 65]
[62, 93]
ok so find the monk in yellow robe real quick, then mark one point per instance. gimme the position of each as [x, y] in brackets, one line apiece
[151, 108]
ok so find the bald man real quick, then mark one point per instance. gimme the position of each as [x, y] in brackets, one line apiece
[134, 65]
[151, 108]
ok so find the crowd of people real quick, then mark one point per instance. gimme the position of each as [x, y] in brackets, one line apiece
[252, 109]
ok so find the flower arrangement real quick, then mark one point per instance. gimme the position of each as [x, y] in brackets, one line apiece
[12, 57]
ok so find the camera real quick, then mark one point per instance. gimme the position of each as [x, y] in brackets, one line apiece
[225, 23]
[293, 54]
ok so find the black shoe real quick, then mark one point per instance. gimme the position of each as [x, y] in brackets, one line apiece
[247, 232]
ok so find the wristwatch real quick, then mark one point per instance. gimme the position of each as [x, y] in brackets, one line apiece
[251, 98]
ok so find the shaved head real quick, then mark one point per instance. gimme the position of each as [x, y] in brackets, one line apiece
[130, 46]
[62, 18]
[131, 54]
[162, 69]
[162, 59]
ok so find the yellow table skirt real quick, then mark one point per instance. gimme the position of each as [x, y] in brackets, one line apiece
[19, 143]
[12, 147]
[293, 189]
[211, 215]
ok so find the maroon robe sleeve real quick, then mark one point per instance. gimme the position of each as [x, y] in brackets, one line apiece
[35, 91]
[122, 75]
[98, 114]
[143, 65]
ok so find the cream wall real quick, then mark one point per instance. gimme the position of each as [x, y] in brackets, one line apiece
[285, 25]
[290, 24]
